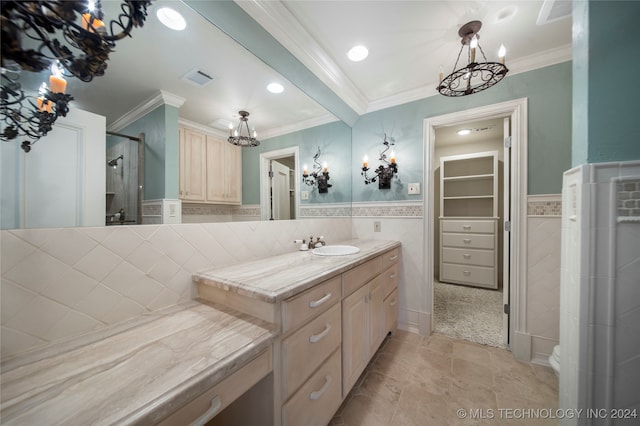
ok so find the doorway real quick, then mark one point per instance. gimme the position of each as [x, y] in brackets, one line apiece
[278, 184]
[515, 187]
[468, 290]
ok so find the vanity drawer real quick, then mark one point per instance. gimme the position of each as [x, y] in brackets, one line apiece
[211, 402]
[355, 278]
[469, 226]
[318, 399]
[390, 279]
[391, 312]
[390, 258]
[318, 299]
[468, 240]
[468, 256]
[304, 350]
[476, 275]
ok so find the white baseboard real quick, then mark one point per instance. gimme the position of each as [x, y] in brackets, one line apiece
[521, 346]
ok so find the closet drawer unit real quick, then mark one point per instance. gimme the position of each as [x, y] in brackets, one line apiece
[390, 258]
[360, 275]
[318, 399]
[480, 241]
[469, 226]
[390, 277]
[468, 256]
[318, 299]
[211, 402]
[304, 350]
[475, 275]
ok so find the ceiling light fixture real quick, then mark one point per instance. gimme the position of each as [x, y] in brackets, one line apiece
[242, 136]
[358, 53]
[171, 18]
[463, 132]
[475, 76]
[275, 88]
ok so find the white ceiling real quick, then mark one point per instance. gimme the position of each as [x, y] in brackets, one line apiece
[408, 41]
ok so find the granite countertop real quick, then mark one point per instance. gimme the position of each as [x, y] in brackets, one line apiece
[134, 373]
[279, 277]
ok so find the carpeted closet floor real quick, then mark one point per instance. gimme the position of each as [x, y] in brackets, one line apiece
[469, 313]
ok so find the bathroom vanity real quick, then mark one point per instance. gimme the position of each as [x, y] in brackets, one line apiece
[300, 328]
[332, 314]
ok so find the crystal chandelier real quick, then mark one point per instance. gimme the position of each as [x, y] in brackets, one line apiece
[242, 136]
[475, 76]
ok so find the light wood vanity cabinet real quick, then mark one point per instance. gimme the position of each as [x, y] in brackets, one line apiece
[210, 169]
[369, 313]
[329, 333]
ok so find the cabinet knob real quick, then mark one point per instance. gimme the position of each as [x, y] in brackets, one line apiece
[467, 240]
[467, 273]
[466, 256]
[466, 227]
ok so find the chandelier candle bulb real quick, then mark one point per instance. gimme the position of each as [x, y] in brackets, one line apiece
[44, 106]
[57, 84]
[441, 74]
[325, 169]
[502, 53]
[365, 162]
[91, 23]
[473, 45]
[305, 172]
[393, 158]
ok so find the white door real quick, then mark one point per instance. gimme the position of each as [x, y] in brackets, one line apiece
[506, 243]
[280, 200]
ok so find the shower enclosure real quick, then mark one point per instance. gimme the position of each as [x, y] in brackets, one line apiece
[125, 179]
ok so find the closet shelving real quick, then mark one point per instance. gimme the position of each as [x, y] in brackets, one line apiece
[469, 219]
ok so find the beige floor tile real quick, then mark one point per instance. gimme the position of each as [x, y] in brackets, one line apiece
[425, 381]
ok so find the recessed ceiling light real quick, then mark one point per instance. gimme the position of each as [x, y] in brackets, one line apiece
[275, 88]
[463, 132]
[171, 18]
[358, 53]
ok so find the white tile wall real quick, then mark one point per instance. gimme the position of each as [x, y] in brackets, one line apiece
[600, 296]
[543, 276]
[60, 283]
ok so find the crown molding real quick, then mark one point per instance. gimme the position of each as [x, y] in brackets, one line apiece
[145, 107]
[276, 19]
[306, 124]
[203, 128]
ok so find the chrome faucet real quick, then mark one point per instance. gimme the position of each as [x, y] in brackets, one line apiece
[317, 243]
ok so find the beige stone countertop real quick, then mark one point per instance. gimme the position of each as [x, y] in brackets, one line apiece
[137, 372]
[279, 277]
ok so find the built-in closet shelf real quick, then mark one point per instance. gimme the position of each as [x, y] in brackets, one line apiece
[469, 219]
[110, 194]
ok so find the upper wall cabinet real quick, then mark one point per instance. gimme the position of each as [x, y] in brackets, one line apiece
[210, 169]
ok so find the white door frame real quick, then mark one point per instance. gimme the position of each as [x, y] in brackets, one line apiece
[265, 158]
[520, 341]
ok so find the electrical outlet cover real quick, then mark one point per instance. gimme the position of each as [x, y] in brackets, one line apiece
[414, 188]
[304, 195]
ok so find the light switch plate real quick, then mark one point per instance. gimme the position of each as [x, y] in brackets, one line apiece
[304, 195]
[414, 188]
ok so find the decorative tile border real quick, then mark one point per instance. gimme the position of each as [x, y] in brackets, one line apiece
[392, 209]
[544, 205]
[628, 200]
[325, 210]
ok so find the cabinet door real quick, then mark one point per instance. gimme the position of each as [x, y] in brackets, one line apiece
[355, 337]
[192, 165]
[224, 181]
[376, 314]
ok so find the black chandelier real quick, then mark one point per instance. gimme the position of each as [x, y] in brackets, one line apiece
[68, 36]
[242, 136]
[318, 176]
[476, 76]
[383, 173]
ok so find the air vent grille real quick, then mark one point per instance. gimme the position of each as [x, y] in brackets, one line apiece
[198, 77]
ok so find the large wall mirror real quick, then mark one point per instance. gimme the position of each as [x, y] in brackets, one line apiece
[214, 77]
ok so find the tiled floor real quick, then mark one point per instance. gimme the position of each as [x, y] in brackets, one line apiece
[438, 380]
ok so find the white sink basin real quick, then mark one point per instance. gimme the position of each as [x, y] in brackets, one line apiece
[336, 250]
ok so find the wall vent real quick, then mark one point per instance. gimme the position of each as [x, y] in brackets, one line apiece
[198, 77]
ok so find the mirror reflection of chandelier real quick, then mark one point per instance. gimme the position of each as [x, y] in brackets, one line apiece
[475, 76]
[72, 38]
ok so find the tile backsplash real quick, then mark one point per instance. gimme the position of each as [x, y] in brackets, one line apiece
[60, 283]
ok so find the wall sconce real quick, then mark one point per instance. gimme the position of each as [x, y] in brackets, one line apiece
[383, 174]
[319, 175]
